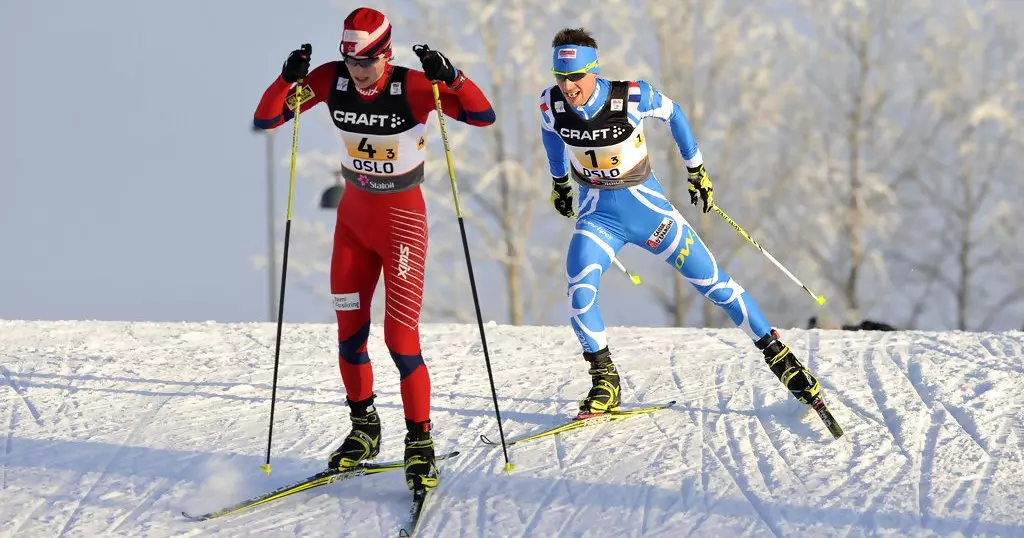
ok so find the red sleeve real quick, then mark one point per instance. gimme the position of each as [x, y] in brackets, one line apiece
[466, 104]
[273, 109]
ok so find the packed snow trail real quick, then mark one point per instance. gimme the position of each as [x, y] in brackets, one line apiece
[112, 429]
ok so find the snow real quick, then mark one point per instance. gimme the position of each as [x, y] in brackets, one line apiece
[111, 429]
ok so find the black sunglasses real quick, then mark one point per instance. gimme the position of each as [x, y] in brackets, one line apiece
[572, 77]
[360, 62]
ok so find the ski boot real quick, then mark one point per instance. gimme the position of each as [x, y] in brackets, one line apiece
[363, 442]
[420, 468]
[794, 375]
[604, 394]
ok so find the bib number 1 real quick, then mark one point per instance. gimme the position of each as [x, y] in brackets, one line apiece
[614, 159]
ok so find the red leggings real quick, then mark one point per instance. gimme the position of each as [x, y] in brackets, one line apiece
[375, 232]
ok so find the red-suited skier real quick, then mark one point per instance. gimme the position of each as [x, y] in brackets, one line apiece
[381, 110]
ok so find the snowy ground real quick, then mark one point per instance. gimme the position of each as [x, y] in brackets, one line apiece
[111, 429]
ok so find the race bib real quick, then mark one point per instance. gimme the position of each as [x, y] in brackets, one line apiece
[369, 147]
[598, 158]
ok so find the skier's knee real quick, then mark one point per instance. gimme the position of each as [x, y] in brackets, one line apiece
[726, 290]
[352, 349]
[407, 364]
[582, 296]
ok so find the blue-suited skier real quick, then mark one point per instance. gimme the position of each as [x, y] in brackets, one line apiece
[593, 133]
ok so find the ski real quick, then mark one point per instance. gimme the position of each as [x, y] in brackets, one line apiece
[322, 478]
[419, 497]
[583, 421]
[818, 404]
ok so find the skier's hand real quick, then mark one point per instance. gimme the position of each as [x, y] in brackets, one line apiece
[561, 195]
[296, 67]
[435, 65]
[700, 187]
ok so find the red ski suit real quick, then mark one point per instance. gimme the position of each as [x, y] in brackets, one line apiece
[381, 222]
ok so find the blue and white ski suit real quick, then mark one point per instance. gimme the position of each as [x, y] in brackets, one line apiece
[602, 146]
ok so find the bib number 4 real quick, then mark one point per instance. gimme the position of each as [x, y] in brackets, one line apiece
[368, 149]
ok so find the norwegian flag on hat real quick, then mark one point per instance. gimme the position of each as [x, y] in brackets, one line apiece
[367, 34]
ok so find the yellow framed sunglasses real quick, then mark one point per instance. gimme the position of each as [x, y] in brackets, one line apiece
[574, 76]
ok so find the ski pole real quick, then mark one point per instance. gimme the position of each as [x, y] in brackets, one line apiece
[635, 279]
[469, 267]
[284, 269]
[820, 299]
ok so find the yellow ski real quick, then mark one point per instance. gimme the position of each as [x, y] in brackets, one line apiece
[319, 479]
[584, 421]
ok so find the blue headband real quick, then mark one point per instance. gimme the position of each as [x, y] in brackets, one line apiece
[574, 58]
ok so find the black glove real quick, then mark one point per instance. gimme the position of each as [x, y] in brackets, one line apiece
[700, 187]
[435, 65]
[296, 67]
[561, 195]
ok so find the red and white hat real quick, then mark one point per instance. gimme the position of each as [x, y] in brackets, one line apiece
[367, 34]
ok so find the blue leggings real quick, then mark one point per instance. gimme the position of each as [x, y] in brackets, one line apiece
[641, 215]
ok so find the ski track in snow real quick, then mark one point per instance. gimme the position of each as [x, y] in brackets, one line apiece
[21, 393]
[111, 428]
[138, 425]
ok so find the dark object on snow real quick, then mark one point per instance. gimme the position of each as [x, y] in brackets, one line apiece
[868, 325]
